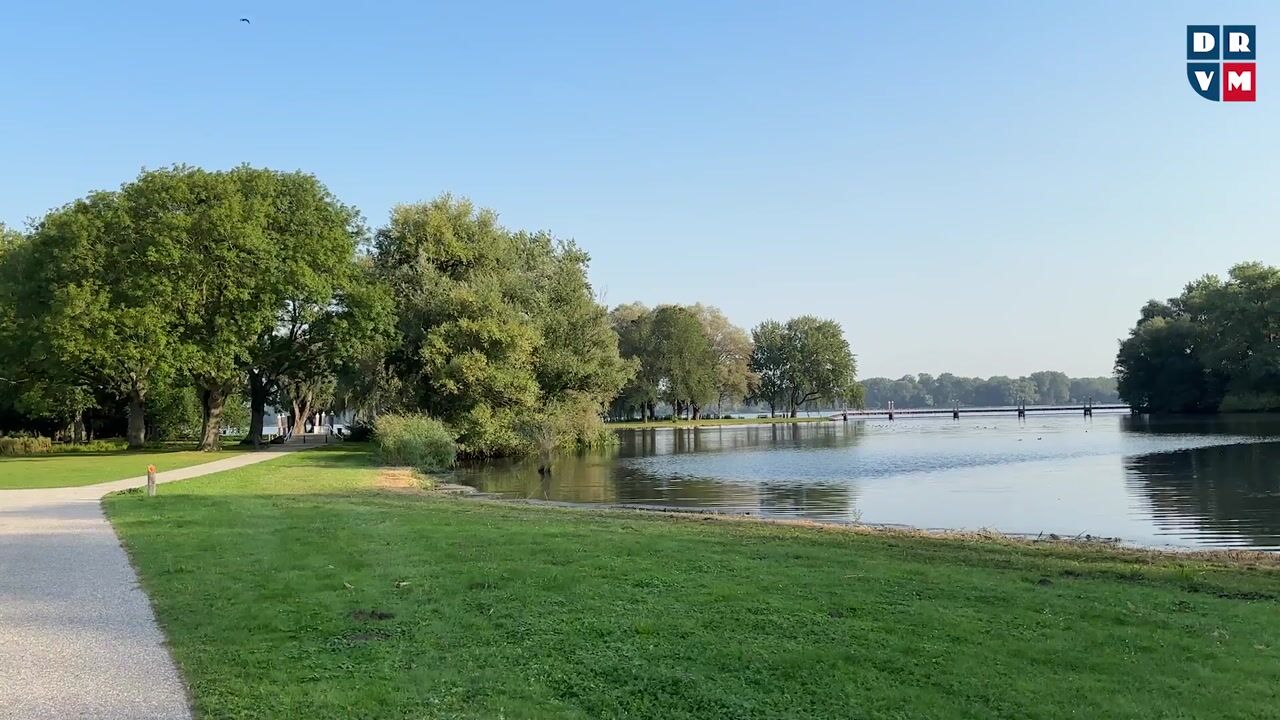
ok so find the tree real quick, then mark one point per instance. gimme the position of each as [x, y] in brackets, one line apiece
[578, 354]
[1214, 347]
[98, 305]
[769, 363]
[633, 324]
[1052, 387]
[685, 358]
[493, 325]
[313, 241]
[804, 360]
[819, 362]
[732, 348]
[1160, 370]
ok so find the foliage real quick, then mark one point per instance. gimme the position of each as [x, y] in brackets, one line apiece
[686, 356]
[493, 326]
[25, 445]
[646, 616]
[633, 324]
[802, 360]
[1214, 347]
[684, 359]
[731, 346]
[360, 431]
[946, 390]
[97, 306]
[414, 441]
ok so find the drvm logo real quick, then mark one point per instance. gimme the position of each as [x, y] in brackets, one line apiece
[1231, 80]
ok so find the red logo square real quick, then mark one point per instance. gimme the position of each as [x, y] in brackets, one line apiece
[1239, 82]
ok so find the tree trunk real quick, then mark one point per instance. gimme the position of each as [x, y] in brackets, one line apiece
[301, 413]
[257, 408]
[212, 401]
[694, 410]
[137, 421]
[77, 428]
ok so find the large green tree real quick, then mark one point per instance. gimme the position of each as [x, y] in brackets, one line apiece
[803, 360]
[494, 326]
[312, 240]
[732, 348]
[1214, 347]
[685, 360]
[98, 306]
[633, 324]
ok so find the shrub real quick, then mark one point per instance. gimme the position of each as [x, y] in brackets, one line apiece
[415, 441]
[95, 446]
[25, 445]
[359, 432]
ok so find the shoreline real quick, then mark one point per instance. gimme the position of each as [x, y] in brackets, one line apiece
[1121, 548]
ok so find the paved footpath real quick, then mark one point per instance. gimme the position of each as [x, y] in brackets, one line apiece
[77, 635]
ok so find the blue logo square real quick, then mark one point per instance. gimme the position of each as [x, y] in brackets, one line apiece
[1203, 42]
[1239, 42]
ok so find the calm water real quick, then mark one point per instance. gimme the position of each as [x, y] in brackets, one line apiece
[1197, 482]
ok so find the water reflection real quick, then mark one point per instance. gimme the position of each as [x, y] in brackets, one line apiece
[1223, 495]
[1186, 481]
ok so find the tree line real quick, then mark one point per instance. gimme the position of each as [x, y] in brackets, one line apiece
[1047, 387]
[1215, 347]
[692, 357]
[187, 299]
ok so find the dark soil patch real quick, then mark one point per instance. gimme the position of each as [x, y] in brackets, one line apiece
[367, 615]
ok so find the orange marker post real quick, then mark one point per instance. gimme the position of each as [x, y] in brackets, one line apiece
[151, 481]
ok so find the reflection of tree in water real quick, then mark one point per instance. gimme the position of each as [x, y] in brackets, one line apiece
[600, 477]
[678, 441]
[1230, 492]
[1249, 425]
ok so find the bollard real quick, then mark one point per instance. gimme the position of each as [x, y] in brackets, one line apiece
[151, 481]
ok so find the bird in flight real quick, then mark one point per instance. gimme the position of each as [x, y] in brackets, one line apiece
[245, 21]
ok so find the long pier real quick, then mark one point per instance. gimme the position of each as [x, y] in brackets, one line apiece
[955, 411]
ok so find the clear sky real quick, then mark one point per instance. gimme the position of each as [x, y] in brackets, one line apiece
[981, 188]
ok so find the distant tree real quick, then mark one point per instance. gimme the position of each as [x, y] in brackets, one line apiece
[686, 359]
[769, 364]
[732, 348]
[1159, 368]
[1052, 387]
[1214, 347]
[633, 324]
[804, 360]
[1098, 389]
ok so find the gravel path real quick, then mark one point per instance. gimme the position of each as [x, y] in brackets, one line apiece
[77, 635]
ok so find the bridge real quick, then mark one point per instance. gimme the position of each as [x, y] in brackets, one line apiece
[955, 411]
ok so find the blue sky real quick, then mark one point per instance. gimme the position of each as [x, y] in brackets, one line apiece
[981, 188]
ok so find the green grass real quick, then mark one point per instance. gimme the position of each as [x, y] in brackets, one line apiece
[88, 468]
[638, 425]
[297, 589]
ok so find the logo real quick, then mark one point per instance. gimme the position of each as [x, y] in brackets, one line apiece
[1228, 81]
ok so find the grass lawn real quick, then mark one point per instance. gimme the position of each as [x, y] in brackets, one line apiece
[87, 468]
[297, 588]
[636, 424]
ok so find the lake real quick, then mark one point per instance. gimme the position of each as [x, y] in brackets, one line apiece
[1190, 482]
